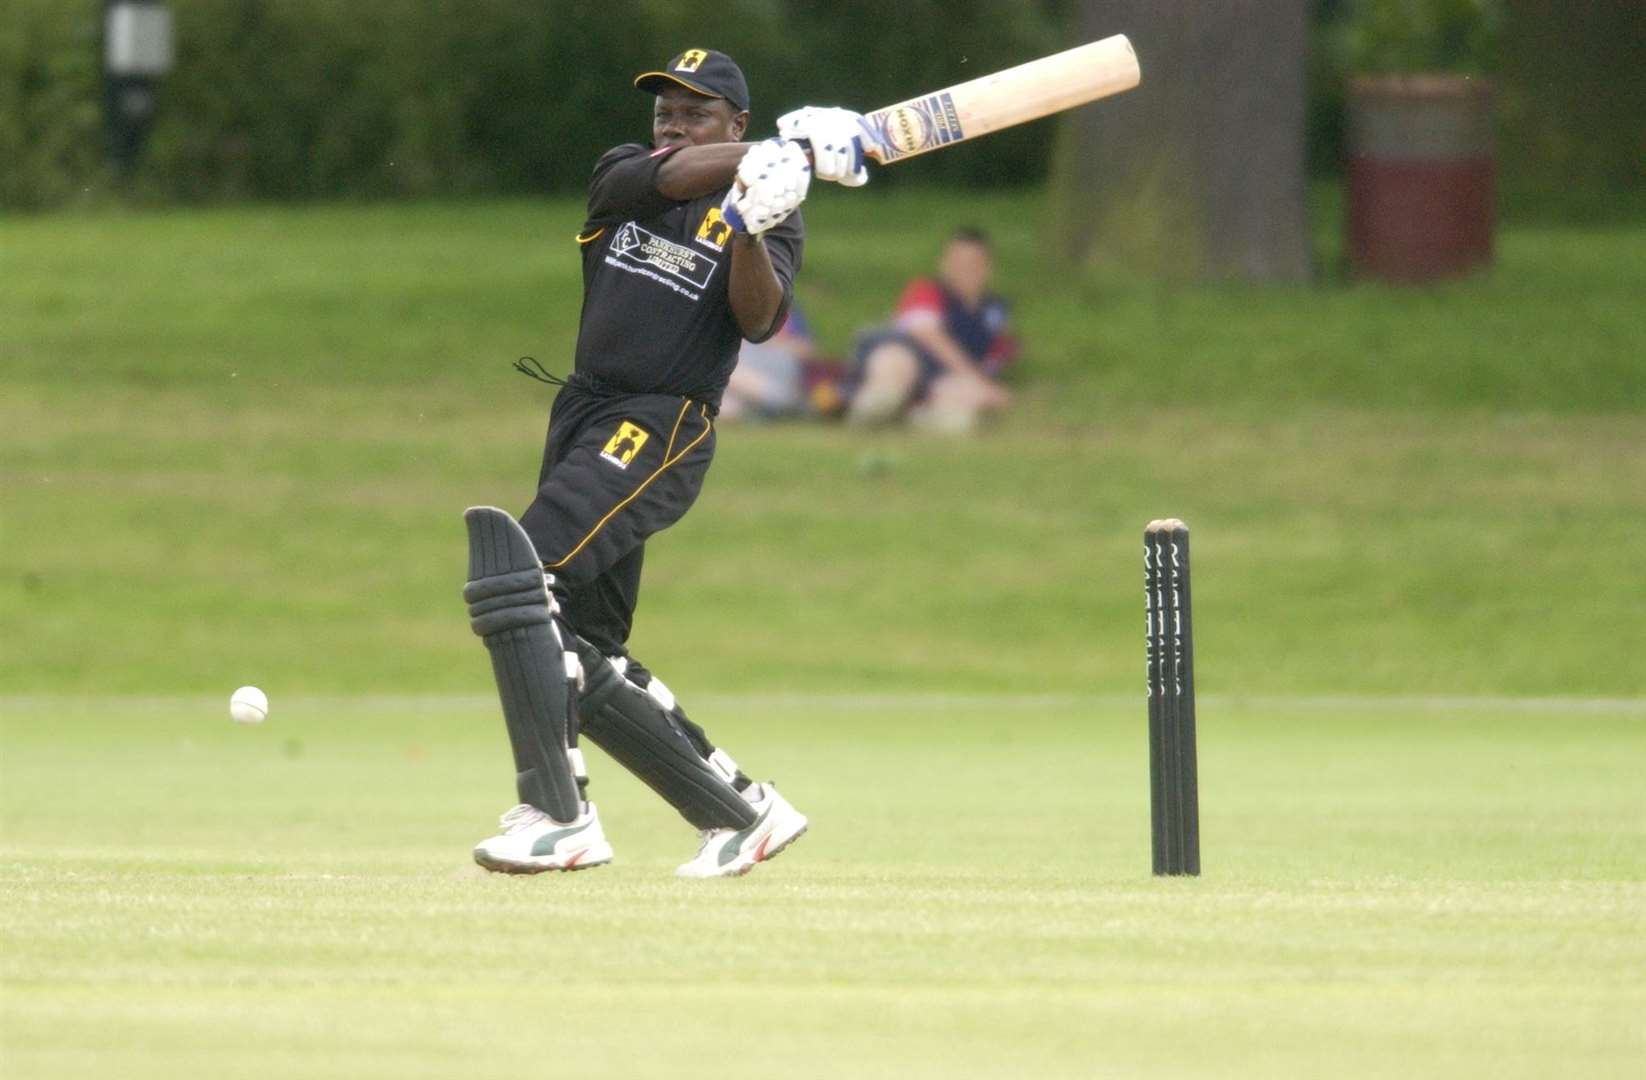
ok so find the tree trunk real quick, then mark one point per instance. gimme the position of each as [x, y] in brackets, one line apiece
[1199, 172]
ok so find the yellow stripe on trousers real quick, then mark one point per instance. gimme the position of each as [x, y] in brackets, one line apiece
[708, 426]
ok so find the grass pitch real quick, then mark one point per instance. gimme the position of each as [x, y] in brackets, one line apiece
[1443, 888]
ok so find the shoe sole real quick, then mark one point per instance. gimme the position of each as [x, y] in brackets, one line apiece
[504, 866]
[765, 856]
[771, 853]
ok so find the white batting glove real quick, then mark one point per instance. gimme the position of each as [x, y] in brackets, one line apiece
[772, 181]
[837, 137]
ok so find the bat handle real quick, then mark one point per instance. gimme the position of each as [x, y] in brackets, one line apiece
[866, 147]
[868, 144]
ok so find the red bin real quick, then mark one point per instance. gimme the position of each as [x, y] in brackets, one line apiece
[1421, 178]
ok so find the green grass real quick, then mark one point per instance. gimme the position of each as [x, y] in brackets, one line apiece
[233, 448]
[238, 439]
[1425, 890]
[166, 540]
[446, 294]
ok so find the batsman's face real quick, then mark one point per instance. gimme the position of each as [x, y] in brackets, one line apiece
[682, 118]
[966, 268]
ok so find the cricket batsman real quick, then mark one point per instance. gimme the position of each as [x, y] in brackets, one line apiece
[690, 247]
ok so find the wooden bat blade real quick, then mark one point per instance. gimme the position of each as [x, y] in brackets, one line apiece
[1002, 100]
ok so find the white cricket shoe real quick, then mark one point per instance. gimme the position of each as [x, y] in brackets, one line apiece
[532, 842]
[729, 852]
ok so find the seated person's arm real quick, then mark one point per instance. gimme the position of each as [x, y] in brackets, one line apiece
[920, 315]
[944, 349]
[958, 363]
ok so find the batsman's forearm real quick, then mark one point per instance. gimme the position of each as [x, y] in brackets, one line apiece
[755, 293]
[695, 171]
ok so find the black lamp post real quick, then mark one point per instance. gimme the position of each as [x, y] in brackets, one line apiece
[137, 51]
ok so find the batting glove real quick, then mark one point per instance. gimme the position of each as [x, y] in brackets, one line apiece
[837, 138]
[772, 181]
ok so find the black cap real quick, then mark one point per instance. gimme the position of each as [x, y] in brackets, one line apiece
[710, 73]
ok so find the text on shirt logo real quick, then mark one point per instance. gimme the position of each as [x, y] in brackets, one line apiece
[648, 249]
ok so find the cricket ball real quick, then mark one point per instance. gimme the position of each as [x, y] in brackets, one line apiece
[249, 705]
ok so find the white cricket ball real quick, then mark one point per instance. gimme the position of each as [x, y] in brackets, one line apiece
[249, 705]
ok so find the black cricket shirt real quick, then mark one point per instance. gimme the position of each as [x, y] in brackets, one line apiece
[656, 318]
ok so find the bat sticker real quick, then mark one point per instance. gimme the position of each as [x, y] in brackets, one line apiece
[916, 126]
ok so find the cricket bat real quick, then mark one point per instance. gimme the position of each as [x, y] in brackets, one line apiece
[1002, 100]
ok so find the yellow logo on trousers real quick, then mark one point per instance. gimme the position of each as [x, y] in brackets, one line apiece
[624, 444]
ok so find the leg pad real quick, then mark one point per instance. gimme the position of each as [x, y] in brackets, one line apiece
[641, 734]
[512, 610]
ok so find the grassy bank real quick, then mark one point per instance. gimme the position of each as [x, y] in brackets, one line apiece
[449, 293]
[237, 442]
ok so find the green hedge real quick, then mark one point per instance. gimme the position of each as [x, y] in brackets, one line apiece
[315, 98]
[296, 99]
[51, 146]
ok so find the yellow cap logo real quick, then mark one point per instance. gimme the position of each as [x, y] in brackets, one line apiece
[691, 60]
[624, 444]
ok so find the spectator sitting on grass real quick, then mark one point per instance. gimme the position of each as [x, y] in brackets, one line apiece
[938, 364]
[769, 380]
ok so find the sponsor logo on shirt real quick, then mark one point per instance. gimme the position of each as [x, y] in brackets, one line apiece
[715, 232]
[646, 248]
[624, 444]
